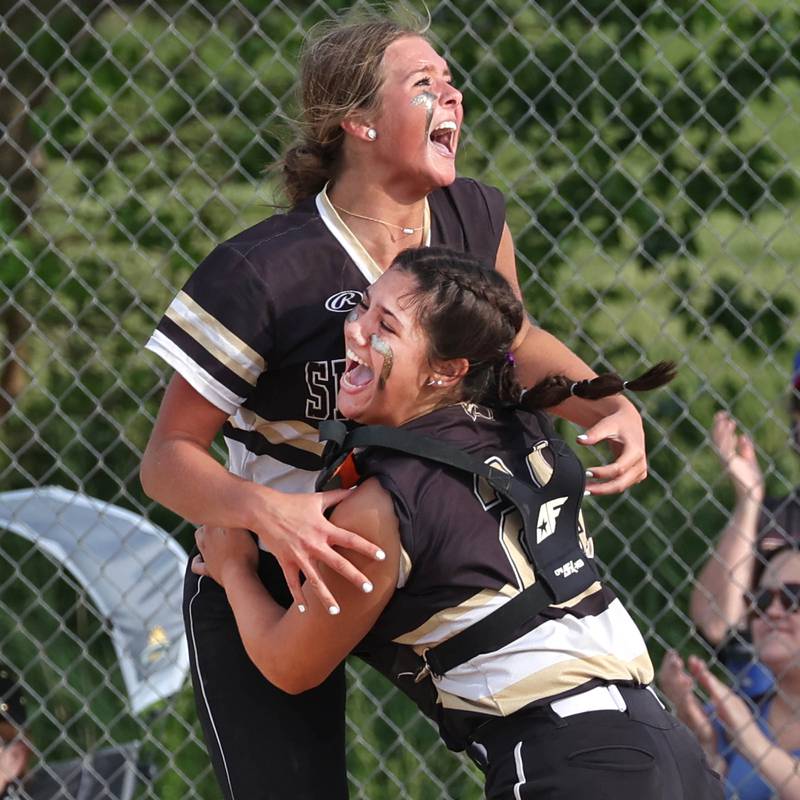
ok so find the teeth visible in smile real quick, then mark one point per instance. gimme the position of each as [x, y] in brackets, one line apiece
[353, 357]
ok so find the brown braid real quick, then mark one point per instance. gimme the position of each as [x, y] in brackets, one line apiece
[468, 310]
[557, 388]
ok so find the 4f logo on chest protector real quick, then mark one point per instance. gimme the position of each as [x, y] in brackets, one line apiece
[548, 514]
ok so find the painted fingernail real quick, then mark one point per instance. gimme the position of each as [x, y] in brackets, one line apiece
[301, 608]
[333, 610]
[380, 555]
[583, 436]
[367, 587]
[587, 493]
[589, 473]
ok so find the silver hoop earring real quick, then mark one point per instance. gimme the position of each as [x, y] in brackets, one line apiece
[372, 134]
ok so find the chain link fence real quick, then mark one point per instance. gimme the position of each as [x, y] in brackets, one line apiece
[649, 155]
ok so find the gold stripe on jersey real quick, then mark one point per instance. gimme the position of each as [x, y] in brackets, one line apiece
[510, 526]
[452, 618]
[361, 257]
[573, 601]
[220, 342]
[450, 621]
[289, 432]
[510, 534]
[403, 568]
[553, 681]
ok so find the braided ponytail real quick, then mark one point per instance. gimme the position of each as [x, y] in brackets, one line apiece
[558, 388]
[469, 311]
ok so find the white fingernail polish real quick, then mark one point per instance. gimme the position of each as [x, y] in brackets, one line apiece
[582, 436]
[333, 610]
[380, 556]
[589, 473]
[367, 587]
[301, 608]
[587, 493]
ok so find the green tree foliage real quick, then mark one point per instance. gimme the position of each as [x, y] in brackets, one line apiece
[647, 152]
[625, 121]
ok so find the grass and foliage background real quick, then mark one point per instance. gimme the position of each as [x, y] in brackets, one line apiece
[649, 156]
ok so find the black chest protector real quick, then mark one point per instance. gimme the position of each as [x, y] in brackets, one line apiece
[549, 538]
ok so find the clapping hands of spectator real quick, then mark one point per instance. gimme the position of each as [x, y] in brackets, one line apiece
[678, 685]
[732, 710]
[738, 458]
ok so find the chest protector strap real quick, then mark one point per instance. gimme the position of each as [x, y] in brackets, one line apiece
[549, 538]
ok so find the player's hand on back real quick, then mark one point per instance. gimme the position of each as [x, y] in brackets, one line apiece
[222, 551]
[293, 527]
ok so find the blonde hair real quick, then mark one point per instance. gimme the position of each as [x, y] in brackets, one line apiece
[340, 72]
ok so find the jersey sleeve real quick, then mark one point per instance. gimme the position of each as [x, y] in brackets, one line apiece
[495, 208]
[403, 509]
[399, 477]
[483, 211]
[469, 217]
[216, 333]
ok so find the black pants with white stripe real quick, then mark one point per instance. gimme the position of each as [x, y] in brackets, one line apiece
[264, 744]
[643, 753]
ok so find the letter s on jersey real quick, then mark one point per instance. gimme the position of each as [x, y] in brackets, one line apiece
[322, 384]
[343, 301]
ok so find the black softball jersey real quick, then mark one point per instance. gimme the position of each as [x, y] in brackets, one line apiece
[257, 329]
[462, 559]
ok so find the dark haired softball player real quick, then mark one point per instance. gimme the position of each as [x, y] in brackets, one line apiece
[552, 703]
[255, 338]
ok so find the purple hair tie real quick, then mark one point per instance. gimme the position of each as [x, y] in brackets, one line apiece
[510, 359]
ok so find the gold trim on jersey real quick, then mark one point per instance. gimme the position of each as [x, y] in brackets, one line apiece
[403, 568]
[553, 681]
[510, 527]
[449, 618]
[291, 432]
[540, 470]
[220, 342]
[573, 601]
[366, 264]
[450, 621]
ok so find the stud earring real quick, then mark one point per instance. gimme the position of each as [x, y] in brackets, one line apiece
[434, 382]
[372, 134]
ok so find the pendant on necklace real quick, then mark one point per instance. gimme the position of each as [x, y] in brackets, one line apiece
[408, 231]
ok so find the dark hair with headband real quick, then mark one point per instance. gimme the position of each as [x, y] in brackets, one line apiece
[468, 310]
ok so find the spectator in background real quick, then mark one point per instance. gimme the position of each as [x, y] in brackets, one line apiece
[14, 750]
[758, 525]
[755, 745]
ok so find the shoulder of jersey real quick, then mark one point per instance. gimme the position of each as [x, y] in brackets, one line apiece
[281, 235]
[460, 187]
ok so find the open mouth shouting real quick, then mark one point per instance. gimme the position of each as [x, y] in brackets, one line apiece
[443, 138]
[357, 373]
